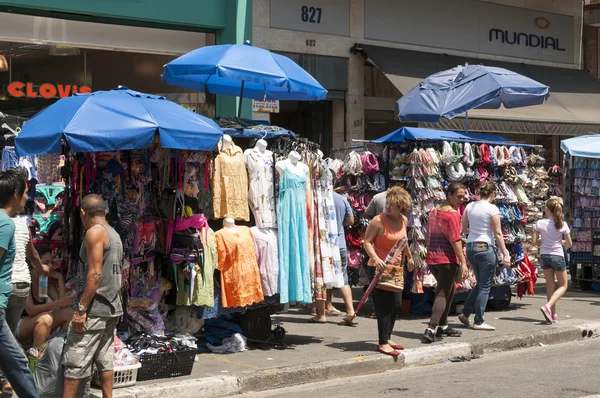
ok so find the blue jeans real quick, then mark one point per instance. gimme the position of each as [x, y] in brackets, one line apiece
[483, 260]
[13, 362]
[552, 261]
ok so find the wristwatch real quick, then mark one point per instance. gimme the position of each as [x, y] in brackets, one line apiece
[81, 309]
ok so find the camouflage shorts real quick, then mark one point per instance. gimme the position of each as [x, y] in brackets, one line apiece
[95, 345]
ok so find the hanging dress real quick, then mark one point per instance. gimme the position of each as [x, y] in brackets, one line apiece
[261, 193]
[294, 271]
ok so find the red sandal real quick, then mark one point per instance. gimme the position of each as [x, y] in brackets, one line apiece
[397, 346]
[390, 353]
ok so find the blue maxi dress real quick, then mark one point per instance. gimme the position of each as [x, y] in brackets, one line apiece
[294, 267]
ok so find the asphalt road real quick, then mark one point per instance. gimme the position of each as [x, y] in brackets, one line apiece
[565, 370]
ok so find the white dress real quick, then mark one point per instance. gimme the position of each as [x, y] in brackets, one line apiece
[261, 188]
[265, 243]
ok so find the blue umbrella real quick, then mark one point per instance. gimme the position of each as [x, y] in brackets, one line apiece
[587, 146]
[244, 70]
[455, 91]
[120, 119]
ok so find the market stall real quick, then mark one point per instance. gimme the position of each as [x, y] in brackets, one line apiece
[426, 161]
[582, 204]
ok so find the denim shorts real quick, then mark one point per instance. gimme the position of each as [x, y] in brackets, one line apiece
[552, 261]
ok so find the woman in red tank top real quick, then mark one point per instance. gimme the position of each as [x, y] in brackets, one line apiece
[381, 235]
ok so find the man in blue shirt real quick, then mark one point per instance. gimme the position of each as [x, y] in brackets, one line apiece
[13, 362]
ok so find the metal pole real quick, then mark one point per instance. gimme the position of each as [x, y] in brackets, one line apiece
[467, 122]
[10, 63]
[85, 67]
[241, 99]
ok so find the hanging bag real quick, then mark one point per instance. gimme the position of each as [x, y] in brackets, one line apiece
[392, 279]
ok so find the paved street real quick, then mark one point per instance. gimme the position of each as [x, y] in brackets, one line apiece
[565, 370]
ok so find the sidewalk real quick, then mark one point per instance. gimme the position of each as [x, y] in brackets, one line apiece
[318, 352]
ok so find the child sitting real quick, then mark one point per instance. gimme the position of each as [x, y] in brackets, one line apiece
[45, 315]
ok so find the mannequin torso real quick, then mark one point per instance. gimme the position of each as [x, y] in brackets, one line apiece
[293, 164]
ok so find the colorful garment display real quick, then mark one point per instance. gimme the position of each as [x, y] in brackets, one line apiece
[240, 276]
[294, 272]
[261, 193]
[230, 185]
[200, 291]
[265, 243]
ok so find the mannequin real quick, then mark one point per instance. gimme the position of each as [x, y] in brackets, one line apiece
[229, 223]
[230, 182]
[227, 141]
[261, 145]
[292, 163]
[261, 192]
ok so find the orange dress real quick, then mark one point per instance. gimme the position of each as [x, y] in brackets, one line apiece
[384, 243]
[240, 276]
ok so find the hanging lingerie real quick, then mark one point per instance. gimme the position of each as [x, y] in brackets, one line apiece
[50, 192]
[45, 221]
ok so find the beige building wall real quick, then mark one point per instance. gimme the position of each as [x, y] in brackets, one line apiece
[338, 46]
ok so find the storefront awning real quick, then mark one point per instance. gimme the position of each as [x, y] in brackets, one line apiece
[572, 108]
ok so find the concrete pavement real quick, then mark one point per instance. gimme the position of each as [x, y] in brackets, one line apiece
[324, 352]
[566, 370]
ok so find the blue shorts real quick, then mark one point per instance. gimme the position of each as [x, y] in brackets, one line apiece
[552, 261]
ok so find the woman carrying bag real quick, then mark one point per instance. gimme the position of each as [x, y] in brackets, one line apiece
[446, 261]
[383, 233]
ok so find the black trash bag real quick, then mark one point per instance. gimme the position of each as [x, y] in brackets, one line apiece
[49, 375]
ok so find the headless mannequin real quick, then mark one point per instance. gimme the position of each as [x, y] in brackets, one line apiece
[229, 223]
[227, 141]
[261, 145]
[292, 163]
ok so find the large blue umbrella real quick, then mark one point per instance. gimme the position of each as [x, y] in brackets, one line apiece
[587, 146]
[120, 119]
[420, 134]
[455, 91]
[244, 70]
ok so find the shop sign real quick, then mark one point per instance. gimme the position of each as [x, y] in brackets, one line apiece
[322, 16]
[487, 28]
[268, 106]
[45, 90]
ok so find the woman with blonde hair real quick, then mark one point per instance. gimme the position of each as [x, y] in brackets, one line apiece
[553, 233]
[382, 234]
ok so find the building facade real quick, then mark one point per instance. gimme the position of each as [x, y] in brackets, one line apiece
[384, 48]
[49, 46]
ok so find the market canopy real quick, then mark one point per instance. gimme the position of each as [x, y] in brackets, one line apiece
[455, 91]
[267, 133]
[586, 146]
[572, 109]
[419, 134]
[119, 119]
[243, 70]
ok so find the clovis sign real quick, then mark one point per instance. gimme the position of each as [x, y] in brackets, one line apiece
[46, 90]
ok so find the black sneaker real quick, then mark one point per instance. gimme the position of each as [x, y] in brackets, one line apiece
[428, 337]
[450, 332]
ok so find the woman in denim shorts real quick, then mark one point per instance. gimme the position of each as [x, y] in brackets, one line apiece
[553, 233]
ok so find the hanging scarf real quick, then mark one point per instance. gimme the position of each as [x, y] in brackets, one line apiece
[469, 157]
[485, 154]
[447, 153]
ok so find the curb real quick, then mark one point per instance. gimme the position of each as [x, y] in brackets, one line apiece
[255, 381]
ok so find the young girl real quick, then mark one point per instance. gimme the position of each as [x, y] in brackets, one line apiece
[554, 233]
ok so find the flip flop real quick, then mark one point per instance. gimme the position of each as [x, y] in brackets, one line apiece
[347, 322]
[391, 353]
[312, 320]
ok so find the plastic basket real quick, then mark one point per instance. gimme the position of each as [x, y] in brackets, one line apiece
[165, 365]
[123, 376]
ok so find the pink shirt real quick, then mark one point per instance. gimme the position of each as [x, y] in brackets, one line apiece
[551, 237]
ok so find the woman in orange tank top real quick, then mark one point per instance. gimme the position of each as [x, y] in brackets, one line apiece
[381, 235]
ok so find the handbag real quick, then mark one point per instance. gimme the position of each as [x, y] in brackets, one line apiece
[392, 278]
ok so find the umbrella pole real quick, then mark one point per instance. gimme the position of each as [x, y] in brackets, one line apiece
[466, 119]
[241, 99]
